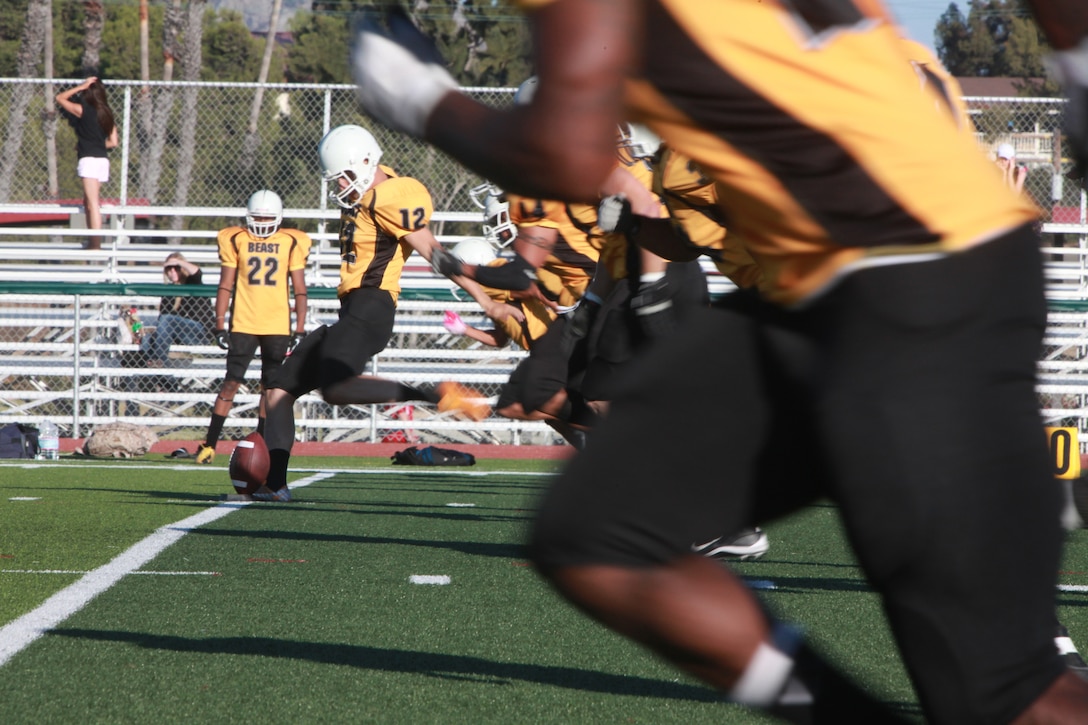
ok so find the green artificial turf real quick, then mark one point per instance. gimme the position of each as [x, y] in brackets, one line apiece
[306, 612]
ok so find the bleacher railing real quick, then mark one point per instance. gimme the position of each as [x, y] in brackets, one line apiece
[67, 355]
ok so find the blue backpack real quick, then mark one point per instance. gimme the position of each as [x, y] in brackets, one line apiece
[433, 456]
[18, 441]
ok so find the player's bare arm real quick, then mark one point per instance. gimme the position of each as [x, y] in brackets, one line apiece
[1065, 22]
[562, 144]
[298, 288]
[534, 244]
[491, 338]
[643, 201]
[227, 277]
[424, 242]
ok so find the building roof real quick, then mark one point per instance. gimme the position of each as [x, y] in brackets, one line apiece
[996, 87]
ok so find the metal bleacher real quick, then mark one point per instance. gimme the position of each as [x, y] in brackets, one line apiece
[64, 356]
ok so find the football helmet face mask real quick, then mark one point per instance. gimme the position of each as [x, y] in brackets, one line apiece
[474, 251]
[638, 140]
[498, 229]
[264, 213]
[349, 153]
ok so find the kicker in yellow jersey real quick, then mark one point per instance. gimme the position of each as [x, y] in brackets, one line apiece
[372, 232]
[383, 220]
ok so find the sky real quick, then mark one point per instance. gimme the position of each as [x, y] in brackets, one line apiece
[919, 17]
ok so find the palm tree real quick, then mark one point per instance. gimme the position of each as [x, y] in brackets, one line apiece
[94, 18]
[39, 14]
[249, 147]
[156, 114]
[190, 68]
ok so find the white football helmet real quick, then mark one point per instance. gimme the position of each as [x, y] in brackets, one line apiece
[264, 212]
[349, 152]
[498, 229]
[479, 193]
[474, 251]
[640, 141]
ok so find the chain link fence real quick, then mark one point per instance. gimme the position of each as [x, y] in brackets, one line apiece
[1032, 126]
[192, 148]
[186, 144]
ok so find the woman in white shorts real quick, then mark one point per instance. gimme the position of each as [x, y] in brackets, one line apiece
[93, 122]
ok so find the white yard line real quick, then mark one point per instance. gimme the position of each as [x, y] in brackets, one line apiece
[1072, 588]
[20, 633]
[75, 571]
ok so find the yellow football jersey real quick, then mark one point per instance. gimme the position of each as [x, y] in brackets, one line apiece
[574, 258]
[537, 320]
[538, 316]
[261, 301]
[615, 252]
[692, 201]
[935, 78]
[827, 157]
[372, 246]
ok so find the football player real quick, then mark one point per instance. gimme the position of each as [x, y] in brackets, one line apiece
[894, 309]
[272, 260]
[383, 219]
[538, 315]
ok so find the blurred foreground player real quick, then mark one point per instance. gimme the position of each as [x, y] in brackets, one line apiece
[383, 220]
[272, 260]
[897, 313]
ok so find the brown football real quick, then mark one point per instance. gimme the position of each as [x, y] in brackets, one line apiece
[249, 464]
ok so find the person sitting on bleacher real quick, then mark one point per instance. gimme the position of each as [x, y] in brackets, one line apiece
[185, 320]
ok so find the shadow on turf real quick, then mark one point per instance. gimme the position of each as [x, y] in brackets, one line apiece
[804, 584]
[423, 663]
[475, 548]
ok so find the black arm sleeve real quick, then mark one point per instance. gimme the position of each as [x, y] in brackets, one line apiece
[514, 275]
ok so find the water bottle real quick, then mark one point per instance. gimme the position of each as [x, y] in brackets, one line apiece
[49, 441]
[136, 325]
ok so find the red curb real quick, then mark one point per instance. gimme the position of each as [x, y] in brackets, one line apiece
[362, 450]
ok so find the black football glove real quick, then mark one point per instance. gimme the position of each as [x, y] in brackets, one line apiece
[653, 308]
[578, 322]
[222, 339]
[296, 338]
[445, 264]
[399, 74]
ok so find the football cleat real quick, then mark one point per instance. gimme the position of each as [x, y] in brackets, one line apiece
[462, 399]
[205, 454]
[1069, 654]
[1076, 663]
[745, 544]
[264, 493]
